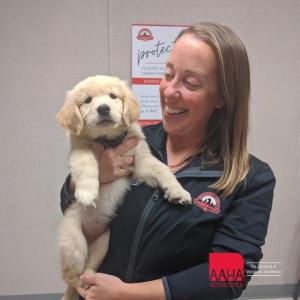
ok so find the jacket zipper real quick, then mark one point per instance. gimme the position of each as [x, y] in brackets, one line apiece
[146, 212]
[138, 233]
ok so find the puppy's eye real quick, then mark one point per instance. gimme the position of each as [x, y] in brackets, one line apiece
[88, 100]
[113, 96]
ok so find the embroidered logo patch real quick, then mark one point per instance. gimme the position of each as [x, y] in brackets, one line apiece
[208, 202]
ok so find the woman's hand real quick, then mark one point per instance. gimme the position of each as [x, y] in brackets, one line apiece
[114, 163]
[101, 286]
[107, 287]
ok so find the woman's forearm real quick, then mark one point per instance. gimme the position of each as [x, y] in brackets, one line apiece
[149, 290]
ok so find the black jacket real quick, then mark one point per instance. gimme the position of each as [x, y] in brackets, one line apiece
[151, 238]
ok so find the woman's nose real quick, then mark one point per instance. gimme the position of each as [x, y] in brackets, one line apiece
[171, 89]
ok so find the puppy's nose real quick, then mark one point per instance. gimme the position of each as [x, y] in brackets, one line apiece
[103, 110]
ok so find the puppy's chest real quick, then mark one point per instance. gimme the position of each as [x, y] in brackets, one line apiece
[110, 197]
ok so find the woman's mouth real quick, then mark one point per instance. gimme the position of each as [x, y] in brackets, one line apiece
[175, 111]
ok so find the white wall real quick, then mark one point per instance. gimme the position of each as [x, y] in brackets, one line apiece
[46, 46]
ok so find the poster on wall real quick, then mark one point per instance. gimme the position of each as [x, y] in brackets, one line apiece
[151, 46]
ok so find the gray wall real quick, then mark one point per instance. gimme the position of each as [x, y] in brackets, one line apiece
[46, 46]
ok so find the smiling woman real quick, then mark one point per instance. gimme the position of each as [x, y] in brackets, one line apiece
[189, 95]
[161, 251]
[219, 73]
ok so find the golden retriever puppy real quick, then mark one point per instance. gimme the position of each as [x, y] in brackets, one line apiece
[102, 109]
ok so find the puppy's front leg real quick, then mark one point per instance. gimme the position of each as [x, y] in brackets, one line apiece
[154, 173]
[85, 174]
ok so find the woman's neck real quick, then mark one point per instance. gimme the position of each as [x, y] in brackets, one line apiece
[179, 148]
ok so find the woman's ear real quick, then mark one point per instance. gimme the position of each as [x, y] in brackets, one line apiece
[131, 111]
[69, 117]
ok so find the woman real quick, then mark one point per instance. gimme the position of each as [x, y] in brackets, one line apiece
[158, 250]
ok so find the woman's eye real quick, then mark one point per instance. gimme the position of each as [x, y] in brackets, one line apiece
[113, 96]
[190, 84]
[88, 100]
[168, 75]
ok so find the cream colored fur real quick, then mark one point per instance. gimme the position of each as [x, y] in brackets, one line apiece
[96, 205]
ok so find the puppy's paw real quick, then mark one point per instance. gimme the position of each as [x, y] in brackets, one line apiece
[178, 195]
[86, 197]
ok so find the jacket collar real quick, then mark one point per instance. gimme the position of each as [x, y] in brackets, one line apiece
[156, 139]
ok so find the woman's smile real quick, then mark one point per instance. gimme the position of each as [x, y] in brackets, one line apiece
[174, 113]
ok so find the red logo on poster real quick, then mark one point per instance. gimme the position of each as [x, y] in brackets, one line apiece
[226, 270]
[208, 202]
[145, 35]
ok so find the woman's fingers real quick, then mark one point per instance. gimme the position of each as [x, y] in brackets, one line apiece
[126, 161]
[126, 145]
[114, 163]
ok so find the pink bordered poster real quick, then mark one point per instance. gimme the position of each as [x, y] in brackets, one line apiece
[151, 45]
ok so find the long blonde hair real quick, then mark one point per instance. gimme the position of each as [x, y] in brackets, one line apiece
[228, 126]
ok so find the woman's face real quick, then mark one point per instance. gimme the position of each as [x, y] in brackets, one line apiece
[189, 92]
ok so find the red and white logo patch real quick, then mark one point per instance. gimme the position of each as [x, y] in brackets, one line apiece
[208, 202]
[145, 35]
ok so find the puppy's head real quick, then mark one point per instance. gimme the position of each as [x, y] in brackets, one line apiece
[98, 104]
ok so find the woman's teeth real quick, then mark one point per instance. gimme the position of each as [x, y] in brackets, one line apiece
[175, 111]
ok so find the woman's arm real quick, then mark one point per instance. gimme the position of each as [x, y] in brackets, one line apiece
[108, 287]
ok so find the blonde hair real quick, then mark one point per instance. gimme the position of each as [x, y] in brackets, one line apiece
[228, 127]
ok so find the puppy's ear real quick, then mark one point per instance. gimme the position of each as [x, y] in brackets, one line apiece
[69, 117]
[131, 110]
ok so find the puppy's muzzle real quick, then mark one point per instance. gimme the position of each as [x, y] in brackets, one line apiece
[105, 118]
[103, 110]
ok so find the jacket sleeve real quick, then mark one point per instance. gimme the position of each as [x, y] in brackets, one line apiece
[242, 230]
[65, 197]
